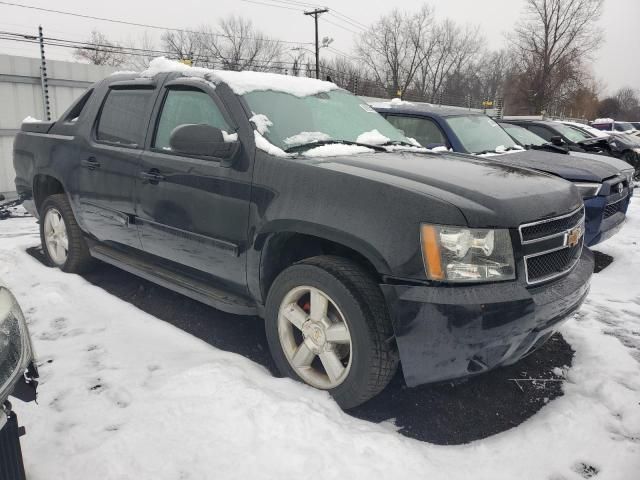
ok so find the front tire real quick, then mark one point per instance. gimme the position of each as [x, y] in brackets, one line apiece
[63, 242]
[327, 325]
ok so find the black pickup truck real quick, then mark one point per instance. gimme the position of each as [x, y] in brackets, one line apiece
[291, 199]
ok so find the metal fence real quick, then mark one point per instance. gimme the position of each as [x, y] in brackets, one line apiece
[21, 96]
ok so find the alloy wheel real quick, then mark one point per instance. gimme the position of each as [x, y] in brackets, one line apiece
[315, 337]
[55, 237]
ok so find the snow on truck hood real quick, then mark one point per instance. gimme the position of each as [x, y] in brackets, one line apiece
[245, 81]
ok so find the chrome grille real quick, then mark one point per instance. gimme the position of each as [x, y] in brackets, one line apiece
[553, 246]
[552, 264]
[536, 231]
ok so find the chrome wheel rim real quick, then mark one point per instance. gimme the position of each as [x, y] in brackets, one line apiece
[55, 237]
[315, 337]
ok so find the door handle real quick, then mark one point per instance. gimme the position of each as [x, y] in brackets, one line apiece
[91, 163]
[153, 176]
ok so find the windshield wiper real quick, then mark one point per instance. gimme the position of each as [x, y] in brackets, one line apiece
[318, 143]
[393, 143]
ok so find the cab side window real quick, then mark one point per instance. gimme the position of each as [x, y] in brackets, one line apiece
[424, 130]
[124, 117]
[183, 107]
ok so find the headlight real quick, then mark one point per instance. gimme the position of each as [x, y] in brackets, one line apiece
[458, 254]
[15, 344]
[628, 175]
[588, 190]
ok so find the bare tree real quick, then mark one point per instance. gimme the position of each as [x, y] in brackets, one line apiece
[553, 40]
[234, 45]
[185, 44]
[447, 52]
[391, 48]
[142, 51]
[99, 50]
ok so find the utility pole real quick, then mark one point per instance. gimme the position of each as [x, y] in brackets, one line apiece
[316, 13]
[43, 77]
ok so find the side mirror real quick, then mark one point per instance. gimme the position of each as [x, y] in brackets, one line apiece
[557, 141]
[203, 140]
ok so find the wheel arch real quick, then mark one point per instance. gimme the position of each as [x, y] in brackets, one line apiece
[45, 185]
[283, 243]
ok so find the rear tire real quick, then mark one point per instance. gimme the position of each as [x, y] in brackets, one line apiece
[63, 242]
[348, 349]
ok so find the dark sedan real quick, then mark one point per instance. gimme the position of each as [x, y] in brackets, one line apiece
[605, 189]
[562, 135]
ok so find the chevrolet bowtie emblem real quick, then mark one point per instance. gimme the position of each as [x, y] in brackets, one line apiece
[574, 235]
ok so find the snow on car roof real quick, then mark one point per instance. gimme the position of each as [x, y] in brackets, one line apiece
[603, 120]
[245, 81]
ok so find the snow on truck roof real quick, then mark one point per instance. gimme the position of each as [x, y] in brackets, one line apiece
[245, 81]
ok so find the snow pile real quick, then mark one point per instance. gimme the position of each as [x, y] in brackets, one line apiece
[603, 120]
[441, 148]
[336, 149]
[31, 119]
[306, 137]
[125, 395]
[398, 101]
[373, 137]
[229, 137]
[268, 147]
[262, 122]
[243, 82]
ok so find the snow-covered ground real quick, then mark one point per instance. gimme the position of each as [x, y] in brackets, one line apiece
[126, 395]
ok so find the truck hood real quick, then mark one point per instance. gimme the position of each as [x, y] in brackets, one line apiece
[613, 162]
[565, 166]
[488, 193]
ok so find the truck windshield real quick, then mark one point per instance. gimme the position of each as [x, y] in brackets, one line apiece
[334, 115]
[571, 133]
[480, 134]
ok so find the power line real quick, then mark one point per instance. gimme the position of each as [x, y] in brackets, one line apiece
[340, 26]
[271, 5]
[144, 25]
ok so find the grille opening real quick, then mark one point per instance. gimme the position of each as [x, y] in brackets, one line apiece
[550, 227]
[552, 264]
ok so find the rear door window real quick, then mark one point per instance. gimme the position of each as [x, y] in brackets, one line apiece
[424, 130]
[124, 116]
[183, 107]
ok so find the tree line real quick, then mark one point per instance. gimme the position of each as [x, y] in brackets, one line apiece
[544, 66]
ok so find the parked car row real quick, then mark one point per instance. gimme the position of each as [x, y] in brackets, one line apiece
[293, 200]
[604, 182]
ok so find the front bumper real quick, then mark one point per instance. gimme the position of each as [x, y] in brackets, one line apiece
[601, 224]
[449, 332]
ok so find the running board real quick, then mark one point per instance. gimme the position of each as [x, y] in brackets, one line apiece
[183, 284]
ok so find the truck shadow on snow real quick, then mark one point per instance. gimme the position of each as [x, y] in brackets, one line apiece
[445, 413]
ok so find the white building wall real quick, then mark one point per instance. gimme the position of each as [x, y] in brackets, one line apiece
[21, 96]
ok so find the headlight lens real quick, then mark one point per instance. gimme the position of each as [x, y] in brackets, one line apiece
[15, 346]
[588, 190]
[458, 254]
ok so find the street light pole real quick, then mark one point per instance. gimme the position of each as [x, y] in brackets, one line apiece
[316, 13]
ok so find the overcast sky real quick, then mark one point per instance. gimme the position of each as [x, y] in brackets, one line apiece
[617, 63]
